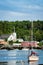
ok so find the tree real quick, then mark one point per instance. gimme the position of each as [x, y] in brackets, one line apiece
[11, 42]
[38, 35]
[40, 44]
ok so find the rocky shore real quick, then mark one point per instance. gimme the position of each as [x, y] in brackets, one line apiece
[20, 48]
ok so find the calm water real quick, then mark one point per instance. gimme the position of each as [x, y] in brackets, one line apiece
[18, 57]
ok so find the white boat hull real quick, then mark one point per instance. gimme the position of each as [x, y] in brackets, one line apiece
[33, 58]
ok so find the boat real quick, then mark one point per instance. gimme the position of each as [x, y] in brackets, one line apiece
[33, 56]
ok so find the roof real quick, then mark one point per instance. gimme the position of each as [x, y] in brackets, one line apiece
[3, 36]
[3, 42]
[28, 44]
[1, 39]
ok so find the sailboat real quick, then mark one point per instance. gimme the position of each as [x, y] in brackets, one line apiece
[33, 56]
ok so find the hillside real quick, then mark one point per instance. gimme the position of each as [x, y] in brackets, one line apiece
[23, 29]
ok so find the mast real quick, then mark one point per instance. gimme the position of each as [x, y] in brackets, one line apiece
[32, 31]
[32, 34]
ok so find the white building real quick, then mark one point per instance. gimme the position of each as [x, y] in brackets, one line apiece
[20, 40]
[12, 36]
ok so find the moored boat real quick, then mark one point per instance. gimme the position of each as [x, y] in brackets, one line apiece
[33, 57]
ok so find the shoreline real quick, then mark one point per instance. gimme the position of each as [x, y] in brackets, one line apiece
[20, 48]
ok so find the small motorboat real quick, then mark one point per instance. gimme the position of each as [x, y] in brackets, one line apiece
[33, 57]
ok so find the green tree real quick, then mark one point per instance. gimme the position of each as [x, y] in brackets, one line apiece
[11, 42]
[38, 35]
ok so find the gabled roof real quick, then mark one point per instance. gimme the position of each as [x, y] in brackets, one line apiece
[3, 36]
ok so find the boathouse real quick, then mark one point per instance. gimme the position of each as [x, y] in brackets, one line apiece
[29, 44]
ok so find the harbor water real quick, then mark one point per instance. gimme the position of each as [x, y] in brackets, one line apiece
[19, 57]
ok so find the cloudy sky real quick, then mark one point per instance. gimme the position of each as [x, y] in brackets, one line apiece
[12, 10]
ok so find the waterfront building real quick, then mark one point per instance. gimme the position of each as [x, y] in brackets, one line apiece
[16, 44]
[29, 44]
[12, 37]
[4, 36]
[3, 42]
[20, 40]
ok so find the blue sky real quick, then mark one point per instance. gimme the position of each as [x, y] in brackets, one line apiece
[13, 10]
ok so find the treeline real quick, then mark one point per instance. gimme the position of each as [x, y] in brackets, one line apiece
[23, 29]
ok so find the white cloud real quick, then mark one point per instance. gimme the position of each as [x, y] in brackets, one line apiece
[33, 7]
[12, 16]
[9, 15]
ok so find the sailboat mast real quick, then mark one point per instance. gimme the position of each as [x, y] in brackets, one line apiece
[32, 31]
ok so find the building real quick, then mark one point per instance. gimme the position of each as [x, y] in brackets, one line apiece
[16, 45]
[20, 40]
[4, 36]
[29, 44]
[12, 37]
[3, 42]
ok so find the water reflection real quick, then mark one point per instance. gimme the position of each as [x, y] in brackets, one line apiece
[3, 63]
[19, 63]
[33, 63]
[12, 63]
